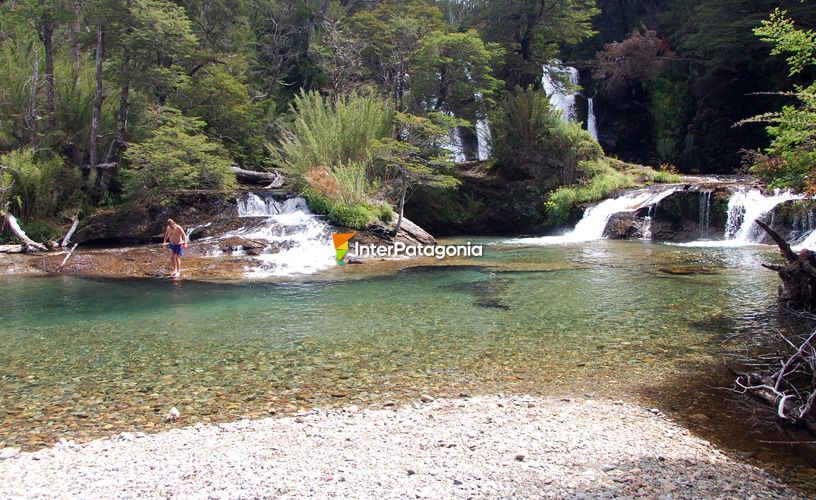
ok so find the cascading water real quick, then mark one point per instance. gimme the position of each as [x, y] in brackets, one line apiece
[592, 122]
[454, 145]
[483, 138]
[745, 207]
[562, 99]
[705, 212]
[593, 224]
[297, 242]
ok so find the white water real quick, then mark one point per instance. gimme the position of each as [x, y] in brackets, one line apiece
[562, 99]
[483, 138]
[454, 145]
[705, 212]
[592, 122]
[297, 241]
[593, 224]
[745, 207]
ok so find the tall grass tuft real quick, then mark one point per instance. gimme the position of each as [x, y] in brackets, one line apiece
[322, 135]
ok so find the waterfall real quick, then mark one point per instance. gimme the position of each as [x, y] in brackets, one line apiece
[745, 207]
[705, 212]
[593, 224]
[483, 138]
[454, 145]
[296, 241]
[562, 99]
[253, 205]
[592, 122]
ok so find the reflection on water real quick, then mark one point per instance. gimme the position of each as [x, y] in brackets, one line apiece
[83, 358]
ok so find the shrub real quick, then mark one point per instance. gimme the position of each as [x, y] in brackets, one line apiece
[175, 157]
[356, 216]
[353, 216]
[599, 179]
[32, 183]
[531, 141]
[324, 136]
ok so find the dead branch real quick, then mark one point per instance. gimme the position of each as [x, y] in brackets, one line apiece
[28, 244]
[273, 179]
[67, 238]
[783, 245]
[68, 256]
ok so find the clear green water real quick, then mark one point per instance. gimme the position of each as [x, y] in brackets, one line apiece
[84, 358]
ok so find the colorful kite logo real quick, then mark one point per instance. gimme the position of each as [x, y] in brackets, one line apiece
[341, 244]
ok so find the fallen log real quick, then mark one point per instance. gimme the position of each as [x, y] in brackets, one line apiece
[798, 288]
[67, 238]
[11, 248]
[68, 256]
[273, 179]
[28, 244]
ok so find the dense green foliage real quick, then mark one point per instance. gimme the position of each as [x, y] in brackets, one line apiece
[701, 71]
[533, 142]
[116, 100]
[790, 161]
[176, 156]
[597, 180]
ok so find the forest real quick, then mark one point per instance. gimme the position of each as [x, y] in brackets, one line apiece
[110, 102]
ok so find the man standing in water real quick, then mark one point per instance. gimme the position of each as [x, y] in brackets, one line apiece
[177, 238]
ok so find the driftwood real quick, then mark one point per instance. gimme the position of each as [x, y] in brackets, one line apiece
[67, 238]
[68, 256]
[271, 179]
[788, 381]
[798, 288]
[11, 248]
[28, 244]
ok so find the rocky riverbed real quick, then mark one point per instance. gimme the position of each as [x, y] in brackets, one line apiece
[469, 447]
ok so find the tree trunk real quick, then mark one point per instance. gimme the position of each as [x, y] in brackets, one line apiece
[47, 38]
[67, 238]
[401, 207]
[273, 179]
[31, 116]
[29, 244]
[97, 111]
[798, 288]
[73, 32]
[118, 144]
[315, 19]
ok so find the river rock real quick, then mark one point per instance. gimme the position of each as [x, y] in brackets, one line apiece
[625, 226]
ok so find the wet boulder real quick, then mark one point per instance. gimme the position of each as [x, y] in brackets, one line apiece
[625, 226]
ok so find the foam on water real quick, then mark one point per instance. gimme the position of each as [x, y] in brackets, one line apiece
[745, 207]
[593, 224]
[297, 241]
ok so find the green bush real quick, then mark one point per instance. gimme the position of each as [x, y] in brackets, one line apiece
[599, 179]
[32, 183]
[177, 156]
[353, 216]
[357, 216]
[531, 141]
[326, 136]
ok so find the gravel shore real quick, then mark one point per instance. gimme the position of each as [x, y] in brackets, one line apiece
[475, 447]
